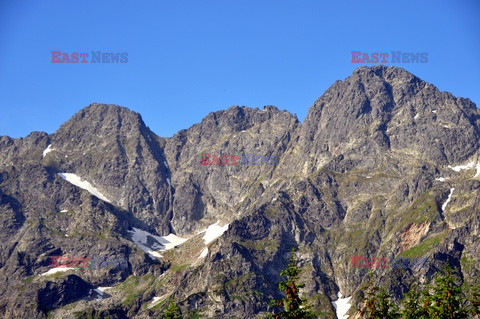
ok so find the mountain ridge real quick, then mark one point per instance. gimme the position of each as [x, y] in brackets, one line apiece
[369, 172]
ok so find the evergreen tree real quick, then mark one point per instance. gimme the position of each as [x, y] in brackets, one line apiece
[172, 312]
[293, 306]
[378, 303]
[441, 300]
[413, 306]
[446, 298]
[475, 302]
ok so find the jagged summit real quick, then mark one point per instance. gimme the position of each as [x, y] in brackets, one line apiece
[104, 119]
[395, 110]
[239, 118]
[384, 71]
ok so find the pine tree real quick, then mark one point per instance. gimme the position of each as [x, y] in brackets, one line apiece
[172, 312]
[441, 300]
[446, 299]
[413, 306]
[475, 302]
[378, 303]
[386, 307]
[293, 306]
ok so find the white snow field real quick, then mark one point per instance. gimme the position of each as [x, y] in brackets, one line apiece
[101, 292]
[458, 168]
[448, 199]
[55, 270]
[77, 181]
[341, 306]
[204, 253]
[470, 165]
[47, 150]
[213, 232]
[150, 243]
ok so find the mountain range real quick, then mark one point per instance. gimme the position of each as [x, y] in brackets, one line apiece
[384, 166]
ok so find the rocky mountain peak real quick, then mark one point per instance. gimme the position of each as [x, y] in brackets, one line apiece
[383, 108]
[100, 121]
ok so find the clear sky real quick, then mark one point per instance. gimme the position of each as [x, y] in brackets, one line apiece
[189, 58]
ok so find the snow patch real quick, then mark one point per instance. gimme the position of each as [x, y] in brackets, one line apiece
[470, 165]
[47, 150]
[168, 181]
[342, 305]
[434, 111]
[101, 292]
[448, 199]
[204, 253]
[149, 243]
[63, 211]
[102, 289]
[416, 116]
[77, 181]
[157, 299]
[55, 270]
[458, 168]
[172, 240]
[213, 232]
[478, 170]
[441, 179]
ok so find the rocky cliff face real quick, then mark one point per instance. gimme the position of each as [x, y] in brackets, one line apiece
[384, 165]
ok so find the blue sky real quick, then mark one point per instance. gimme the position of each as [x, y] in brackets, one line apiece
[189, 58]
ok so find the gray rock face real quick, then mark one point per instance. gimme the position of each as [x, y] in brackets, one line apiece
[210, 192]
[382, 109]
[113, 148]
[365, 175]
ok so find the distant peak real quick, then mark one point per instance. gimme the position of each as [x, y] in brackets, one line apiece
[383, 71]
[101, 120]
[100, 108]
